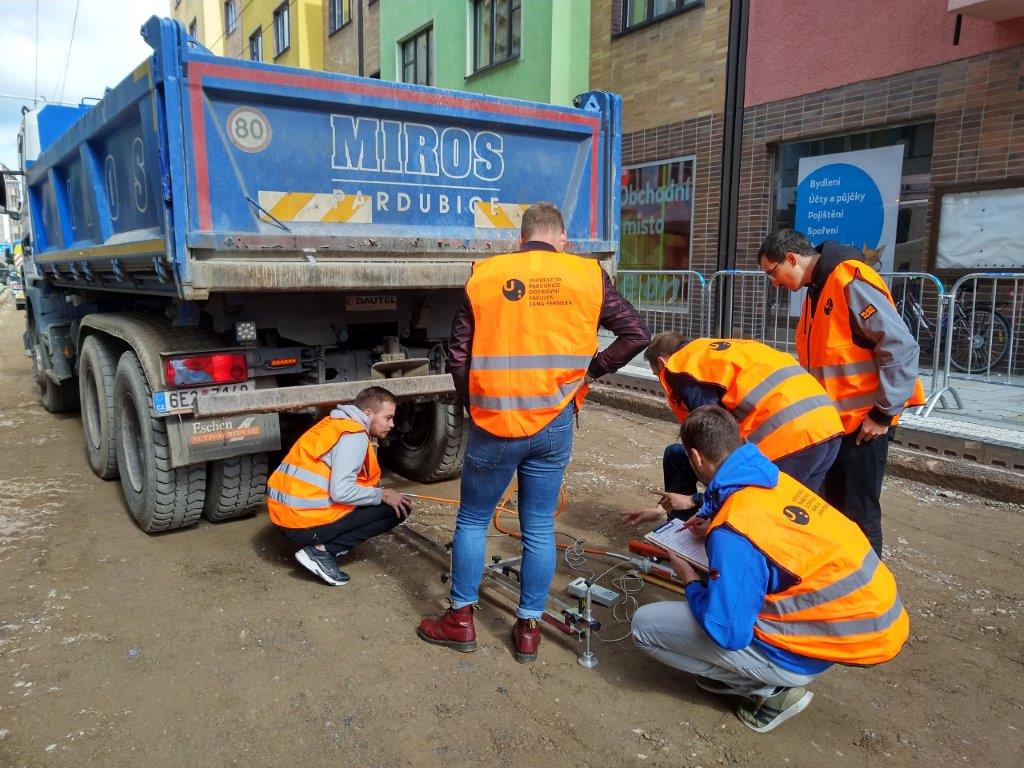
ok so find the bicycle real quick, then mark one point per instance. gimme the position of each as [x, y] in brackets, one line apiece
[981, 335]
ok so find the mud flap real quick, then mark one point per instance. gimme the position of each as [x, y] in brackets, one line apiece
[196, 440]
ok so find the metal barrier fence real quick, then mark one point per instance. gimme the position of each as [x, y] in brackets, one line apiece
[920, 299]
[667, 301]
[984, 320]
[971, 332]
[744, 305]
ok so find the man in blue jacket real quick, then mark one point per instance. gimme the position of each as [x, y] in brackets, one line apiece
[794, 585]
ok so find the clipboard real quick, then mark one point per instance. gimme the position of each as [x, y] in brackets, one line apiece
[674, 536]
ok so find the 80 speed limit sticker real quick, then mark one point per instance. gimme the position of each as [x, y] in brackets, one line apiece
[249, 129]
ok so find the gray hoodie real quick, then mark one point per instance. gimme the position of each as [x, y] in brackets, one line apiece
[346, 459]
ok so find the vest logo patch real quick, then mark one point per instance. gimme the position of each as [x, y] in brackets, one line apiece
[828, 306]
[867, 312]
[797, 514]
[720, 346]
[513, 289]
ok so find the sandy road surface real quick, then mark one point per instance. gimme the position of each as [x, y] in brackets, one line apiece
[208, 647]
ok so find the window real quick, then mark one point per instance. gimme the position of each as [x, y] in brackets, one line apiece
[340, 14]
[193, 29]
[657, 206]
[230, 17]
[915, 184]
[256, 45]
[416, 58]
[497, 26]
[282, 29]
[637, 12]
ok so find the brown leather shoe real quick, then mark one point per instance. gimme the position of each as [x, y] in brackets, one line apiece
[526, 636]
[453, 628]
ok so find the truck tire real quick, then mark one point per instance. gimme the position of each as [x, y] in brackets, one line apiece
[235, 487]
[159, 496]
[431, 443]
[56, 398]
[60, 398]
[96, 369]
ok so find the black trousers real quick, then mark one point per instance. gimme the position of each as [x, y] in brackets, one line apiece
[346, 533]
[854, 483]
[808, 465]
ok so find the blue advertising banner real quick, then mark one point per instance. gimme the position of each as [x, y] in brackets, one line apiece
[852, 198]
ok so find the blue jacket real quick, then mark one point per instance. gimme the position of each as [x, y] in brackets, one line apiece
[728, 606]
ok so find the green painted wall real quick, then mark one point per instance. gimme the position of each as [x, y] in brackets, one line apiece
[553, 65]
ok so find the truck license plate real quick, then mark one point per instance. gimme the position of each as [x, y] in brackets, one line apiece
[181, 400]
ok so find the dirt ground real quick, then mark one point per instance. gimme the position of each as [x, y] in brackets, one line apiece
[210, 647]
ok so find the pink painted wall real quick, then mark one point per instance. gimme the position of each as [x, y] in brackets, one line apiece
[804, 46]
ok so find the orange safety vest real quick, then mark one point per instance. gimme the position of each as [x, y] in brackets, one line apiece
[825, 347]
[843, 606]
[298, 492]
[535, 318]
[779, 406]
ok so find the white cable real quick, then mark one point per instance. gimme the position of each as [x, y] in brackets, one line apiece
[67, 60]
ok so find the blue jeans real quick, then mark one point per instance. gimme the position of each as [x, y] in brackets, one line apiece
[491, 462]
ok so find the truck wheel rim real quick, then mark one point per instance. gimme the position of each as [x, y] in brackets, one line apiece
[131, 444]
[420, 428]
[91, 411]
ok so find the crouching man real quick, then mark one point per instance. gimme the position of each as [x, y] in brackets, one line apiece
[326, 496]
[795, 586]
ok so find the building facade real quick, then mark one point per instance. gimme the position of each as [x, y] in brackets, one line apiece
[522, 49]
[949, 95]
[667, 59]
[288, 32]
[204, 21]
[352, 37]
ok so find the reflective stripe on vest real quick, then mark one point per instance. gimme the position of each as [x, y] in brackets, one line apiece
[779, 406]
[834, 628]
[526, 362]
[306, 476]
[843, 605]
[323, 502]
[298, 492]
[535, 318]
[826, 348]
[841, 588]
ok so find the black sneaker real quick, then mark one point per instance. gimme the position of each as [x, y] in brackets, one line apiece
[761, 714]
[322, 563]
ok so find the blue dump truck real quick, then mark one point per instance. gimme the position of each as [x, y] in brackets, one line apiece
[218, 247]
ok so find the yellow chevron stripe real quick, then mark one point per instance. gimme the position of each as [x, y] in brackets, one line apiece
[290, 205]
[500, 215]
[343, 210]
[499, 218]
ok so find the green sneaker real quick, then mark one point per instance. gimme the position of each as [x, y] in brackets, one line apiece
[762, 714]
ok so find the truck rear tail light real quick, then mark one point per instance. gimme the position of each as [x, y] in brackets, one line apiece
[283, 362]
[195, 370]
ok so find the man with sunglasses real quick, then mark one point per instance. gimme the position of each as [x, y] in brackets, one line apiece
[851, 339]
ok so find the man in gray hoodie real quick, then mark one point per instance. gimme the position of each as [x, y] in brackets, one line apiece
[326, 495]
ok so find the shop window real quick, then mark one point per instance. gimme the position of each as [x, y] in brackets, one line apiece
[417, 53]
[657, 205]
[497, 32]
[914, 183]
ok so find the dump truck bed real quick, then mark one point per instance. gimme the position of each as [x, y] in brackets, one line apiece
[202, 174]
